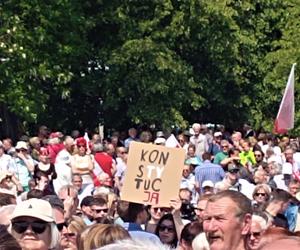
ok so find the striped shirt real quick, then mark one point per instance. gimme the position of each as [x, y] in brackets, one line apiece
[209, 171]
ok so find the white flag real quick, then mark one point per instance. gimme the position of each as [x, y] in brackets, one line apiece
[285, 117]
[172, 142]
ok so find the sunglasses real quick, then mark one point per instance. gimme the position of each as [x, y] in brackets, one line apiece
[234, 171]
[255, 234]
[169, 229]
[224, 146]
[260, 194]
[37, 227]
[162, 209]
[22, 150]
[81, 146]
[104, 210]
[69, 235]
[60, 226]
[79, 213]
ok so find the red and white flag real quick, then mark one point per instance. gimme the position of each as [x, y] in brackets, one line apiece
[285, 117]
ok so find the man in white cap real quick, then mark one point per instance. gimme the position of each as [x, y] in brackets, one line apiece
[208, 187]
[215, 146]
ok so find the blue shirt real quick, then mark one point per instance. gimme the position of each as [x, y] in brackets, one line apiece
[214, 148]
[136, 232]
[291, 214]
[128, 140]
[209, 171]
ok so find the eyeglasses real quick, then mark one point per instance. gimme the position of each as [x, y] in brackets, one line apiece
[162, 209]
[163, 228]
[260, 194]
[123, 153]
[104, 210]
[224, 146]
[37, 227]
[60, 226]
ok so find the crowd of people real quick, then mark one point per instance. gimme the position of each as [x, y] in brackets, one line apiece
[238, 190]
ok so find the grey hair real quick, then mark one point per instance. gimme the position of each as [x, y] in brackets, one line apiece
[98, 147]
[196, 126]
[260, 220]
[55, 236]
[277, 167]
[135, 245]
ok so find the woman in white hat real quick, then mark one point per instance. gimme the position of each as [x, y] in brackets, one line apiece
[24, 165]
[33, 226]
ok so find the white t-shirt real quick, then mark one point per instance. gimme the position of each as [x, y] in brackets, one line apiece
[121, 167]
[63, 157]
[6, 163]
[64, 176]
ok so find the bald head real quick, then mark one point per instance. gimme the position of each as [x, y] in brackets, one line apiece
[69, 143]
[291, 243]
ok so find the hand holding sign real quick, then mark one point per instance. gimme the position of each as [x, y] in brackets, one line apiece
[176, 205]
[153, 174]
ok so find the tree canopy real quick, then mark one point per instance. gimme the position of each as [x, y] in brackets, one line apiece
[163, 62]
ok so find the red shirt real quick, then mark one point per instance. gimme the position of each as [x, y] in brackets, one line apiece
[54, 149]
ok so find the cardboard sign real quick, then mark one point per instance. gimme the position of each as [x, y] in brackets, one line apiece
[153, 174]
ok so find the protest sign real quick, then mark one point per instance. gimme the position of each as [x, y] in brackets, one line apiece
[153, 174]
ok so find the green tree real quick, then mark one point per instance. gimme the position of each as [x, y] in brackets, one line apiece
[42, 46]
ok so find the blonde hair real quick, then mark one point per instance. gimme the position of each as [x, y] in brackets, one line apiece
[99, 235]
[76, 224]
[34, 140]
[252, 141]
[111, 198]
[265, 187]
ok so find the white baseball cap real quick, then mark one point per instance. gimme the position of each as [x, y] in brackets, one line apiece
[207, 183]
[21, 145]
[35, 208]
[216, 134]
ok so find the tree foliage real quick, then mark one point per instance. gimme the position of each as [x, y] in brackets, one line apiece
[163, 62]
